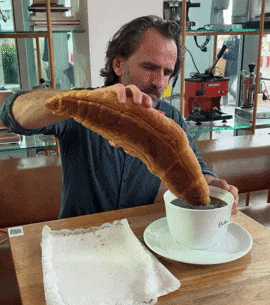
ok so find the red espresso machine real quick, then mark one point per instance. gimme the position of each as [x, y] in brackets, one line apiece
[203, 94]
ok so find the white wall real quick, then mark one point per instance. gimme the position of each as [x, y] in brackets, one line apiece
[105, 18]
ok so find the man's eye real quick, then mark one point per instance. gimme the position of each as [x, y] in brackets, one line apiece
[168, 73]
[151, 68]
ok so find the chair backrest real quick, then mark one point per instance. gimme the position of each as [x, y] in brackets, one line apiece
[244, 161]
[30, 190]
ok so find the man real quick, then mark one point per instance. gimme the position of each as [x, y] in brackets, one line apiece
[142, 57]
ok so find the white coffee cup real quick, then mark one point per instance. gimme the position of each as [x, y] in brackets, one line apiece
[199, 228]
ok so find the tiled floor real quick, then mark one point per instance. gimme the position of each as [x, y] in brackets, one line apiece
[258, 208]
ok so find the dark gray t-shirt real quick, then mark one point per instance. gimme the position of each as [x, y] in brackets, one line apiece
[96, 176]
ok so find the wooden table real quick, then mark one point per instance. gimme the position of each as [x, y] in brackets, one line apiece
[244, 281]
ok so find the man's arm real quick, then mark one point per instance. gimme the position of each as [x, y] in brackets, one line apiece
[29, 109]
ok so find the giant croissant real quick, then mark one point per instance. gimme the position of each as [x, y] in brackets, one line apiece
[156, 140]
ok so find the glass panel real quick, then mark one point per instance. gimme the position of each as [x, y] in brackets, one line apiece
[265, 67]
[228, 16]
[9, 71]
[63, 60]
[6, 16]
[63, 54]
[263, 106]
[232, 62]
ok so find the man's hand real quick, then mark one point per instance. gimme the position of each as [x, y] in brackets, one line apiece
[224, 185]
[131, 91]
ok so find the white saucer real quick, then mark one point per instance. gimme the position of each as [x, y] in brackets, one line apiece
[237, 243]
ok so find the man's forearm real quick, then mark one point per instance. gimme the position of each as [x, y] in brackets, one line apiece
[30, 112]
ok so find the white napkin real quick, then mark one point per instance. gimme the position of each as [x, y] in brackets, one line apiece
[105, 265]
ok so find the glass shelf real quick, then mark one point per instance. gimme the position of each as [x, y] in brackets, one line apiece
[236, 123]
[27, 143]
[222, 31]
[225, 30]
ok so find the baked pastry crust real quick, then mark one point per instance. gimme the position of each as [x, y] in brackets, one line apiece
[160, 143]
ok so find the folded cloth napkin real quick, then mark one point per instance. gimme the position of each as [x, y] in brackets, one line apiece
[105, 265]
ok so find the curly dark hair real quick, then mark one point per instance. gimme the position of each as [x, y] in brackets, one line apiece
[125, 42]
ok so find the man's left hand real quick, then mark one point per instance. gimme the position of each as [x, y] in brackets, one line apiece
[230, 188]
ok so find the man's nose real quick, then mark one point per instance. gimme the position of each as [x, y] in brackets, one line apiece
[159, 79]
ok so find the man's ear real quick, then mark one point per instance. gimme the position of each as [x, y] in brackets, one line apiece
[118, 64]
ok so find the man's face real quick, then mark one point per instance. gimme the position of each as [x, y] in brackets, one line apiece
[151, 66]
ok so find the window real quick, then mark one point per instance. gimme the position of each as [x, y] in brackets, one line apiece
[9, 70]
[18, 57]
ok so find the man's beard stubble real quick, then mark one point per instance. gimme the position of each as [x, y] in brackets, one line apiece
[151, 90]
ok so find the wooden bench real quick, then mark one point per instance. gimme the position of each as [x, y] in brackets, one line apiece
[243, 161]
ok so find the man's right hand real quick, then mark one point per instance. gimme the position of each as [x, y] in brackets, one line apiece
[131, 91]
